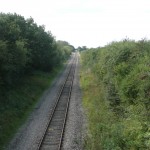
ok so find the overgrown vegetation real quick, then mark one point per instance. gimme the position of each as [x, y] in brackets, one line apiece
[19, 101]
[25, 48]
[116, 85]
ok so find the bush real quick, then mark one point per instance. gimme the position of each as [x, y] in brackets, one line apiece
[122, 70]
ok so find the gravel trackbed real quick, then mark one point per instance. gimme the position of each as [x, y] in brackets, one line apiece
[29, 135]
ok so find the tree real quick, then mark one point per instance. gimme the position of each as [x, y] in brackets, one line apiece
[83, 48]
[25, 46]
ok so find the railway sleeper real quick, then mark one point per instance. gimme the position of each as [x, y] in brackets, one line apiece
[49, 147]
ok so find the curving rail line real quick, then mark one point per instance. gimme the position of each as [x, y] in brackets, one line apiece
[53, 135]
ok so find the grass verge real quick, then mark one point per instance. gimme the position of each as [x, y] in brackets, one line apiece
[96, 110]
[19, 101]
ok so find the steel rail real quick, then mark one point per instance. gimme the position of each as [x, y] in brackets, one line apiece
[60, 94]
[67, 109]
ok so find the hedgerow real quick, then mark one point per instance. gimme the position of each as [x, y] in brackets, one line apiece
[122, 70]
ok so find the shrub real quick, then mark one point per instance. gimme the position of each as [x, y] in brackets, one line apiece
[122, 70]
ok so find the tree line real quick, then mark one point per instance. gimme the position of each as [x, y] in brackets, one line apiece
[26, 46]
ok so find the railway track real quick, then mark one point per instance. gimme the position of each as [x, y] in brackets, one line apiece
[53, 136]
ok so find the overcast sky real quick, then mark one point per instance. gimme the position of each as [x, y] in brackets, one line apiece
[91, 23]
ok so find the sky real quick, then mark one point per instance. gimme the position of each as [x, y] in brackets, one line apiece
[90, 23]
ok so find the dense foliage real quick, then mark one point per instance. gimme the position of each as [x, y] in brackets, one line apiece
[28, 57]
[25, 46]
[121, 107]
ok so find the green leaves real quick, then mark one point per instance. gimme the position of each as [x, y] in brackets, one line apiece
[25, 46]
[122, 70]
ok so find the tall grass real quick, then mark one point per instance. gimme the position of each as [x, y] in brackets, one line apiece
[116, 82]
[17, 102]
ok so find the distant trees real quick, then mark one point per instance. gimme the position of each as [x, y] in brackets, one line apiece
[64, 47]
[25, 46]
[83, 48]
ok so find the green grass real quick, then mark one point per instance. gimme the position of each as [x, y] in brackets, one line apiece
[19, 101]
[99, 117]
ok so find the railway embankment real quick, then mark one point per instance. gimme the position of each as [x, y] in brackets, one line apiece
[115, 81]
